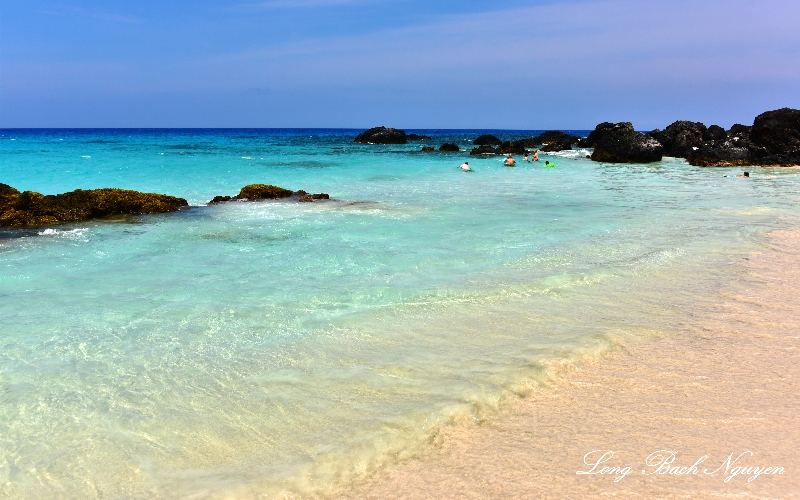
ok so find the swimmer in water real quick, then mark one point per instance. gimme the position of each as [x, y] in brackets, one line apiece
[535, 156]
[510, 161]
[746, 175]
[465, 167]
[526, 157]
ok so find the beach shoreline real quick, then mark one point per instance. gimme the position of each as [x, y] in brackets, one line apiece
[723, 388]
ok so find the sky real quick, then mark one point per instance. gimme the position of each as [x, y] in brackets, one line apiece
[502, 64]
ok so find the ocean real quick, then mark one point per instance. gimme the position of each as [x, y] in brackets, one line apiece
[263, 349]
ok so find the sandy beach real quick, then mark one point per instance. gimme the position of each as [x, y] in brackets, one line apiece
[725, 388]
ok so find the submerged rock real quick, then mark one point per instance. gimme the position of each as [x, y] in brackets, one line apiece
[449, 147]
[620, 143]
[427, 149]
[487, 140]
[30, 208]
[382, 135]
[415, 137]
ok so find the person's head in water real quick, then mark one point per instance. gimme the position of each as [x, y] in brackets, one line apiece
[746, 174]
[547, 162]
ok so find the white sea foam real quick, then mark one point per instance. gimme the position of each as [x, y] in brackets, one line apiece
[71, 234]
[571, 153]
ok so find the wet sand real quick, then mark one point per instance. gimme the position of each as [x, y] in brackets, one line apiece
[727, 385]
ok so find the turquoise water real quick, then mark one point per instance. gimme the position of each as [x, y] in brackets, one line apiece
[255, 349]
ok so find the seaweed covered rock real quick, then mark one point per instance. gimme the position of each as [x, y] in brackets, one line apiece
[620, 143]
[484, 150]
[449, 147]
[308, 197]
[254, 192]
[415, 137]
[262, 192]
[220, 199]
[382, 135]
[30, 208]
[487, 140]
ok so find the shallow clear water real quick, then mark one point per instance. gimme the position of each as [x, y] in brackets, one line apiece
[257, 348]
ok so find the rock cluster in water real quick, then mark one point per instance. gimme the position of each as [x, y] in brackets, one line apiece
[552, 140]
[772, 140]
[255, 192]
[382, 135]
[29, 208]
[620, 143]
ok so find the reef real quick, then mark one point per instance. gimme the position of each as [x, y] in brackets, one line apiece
[449, 147]
[415, 137]
[29, 208]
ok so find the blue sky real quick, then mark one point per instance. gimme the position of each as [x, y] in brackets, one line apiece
[405, 63]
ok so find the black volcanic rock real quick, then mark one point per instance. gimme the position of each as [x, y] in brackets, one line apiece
[777, 131]
[382, 135]
[553, 140]
[715, 133]
[30, 208]
[484, 150]
[773, 140]
[682, 138]
[513, 148]
[449, 147]
[427, 149]
[415, 137]
[599, 131]
[738, 129]
[487, 139]
[620, 143]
